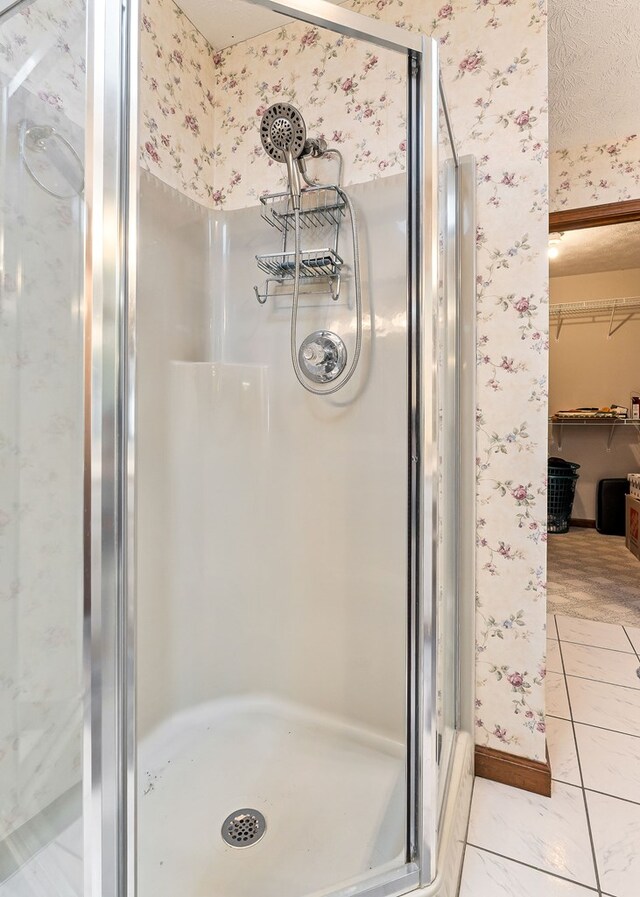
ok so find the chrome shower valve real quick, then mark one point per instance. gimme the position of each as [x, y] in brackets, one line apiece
[322, 356]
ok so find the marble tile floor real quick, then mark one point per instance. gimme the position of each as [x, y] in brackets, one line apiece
[584, 841]
[593, 576]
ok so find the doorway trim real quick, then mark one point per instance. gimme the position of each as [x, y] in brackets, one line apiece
[594, 216]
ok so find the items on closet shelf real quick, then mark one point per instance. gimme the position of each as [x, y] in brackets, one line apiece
[614, 412]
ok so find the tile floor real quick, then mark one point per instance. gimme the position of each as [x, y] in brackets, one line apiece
[585, 840]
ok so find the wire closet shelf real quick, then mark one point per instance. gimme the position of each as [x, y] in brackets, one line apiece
[627, 306]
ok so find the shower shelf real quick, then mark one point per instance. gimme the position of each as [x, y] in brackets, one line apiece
[320, 207]
[313, 263]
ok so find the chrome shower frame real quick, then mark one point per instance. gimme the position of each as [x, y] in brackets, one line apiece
[111, 190]
[110, 363]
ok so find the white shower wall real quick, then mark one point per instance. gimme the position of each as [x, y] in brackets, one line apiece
[172, 321]
[272, 546]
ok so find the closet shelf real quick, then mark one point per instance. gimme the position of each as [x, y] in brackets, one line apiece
[612, 423]
[627, 305]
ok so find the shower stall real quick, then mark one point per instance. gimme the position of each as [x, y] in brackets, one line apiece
[237, 453]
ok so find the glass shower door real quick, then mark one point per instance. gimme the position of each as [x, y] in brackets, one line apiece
[272, 584]
[448, 451]
[42, 116]
[295, 579]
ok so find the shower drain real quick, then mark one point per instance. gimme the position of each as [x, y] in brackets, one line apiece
[245, 827]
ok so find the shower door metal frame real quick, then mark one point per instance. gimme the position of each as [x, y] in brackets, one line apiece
[109, 390]
[112, 172]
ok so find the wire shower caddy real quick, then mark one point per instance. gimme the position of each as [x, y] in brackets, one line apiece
[322, 209]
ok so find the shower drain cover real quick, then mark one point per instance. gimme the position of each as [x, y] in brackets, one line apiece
[245, 827]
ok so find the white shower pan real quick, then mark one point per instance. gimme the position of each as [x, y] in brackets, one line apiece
[311, 776]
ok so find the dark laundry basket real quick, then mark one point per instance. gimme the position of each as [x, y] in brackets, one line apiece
[561, 488]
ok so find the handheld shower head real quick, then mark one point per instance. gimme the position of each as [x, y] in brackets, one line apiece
[284, 134]
[283, 129]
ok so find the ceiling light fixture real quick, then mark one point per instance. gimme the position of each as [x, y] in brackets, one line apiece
[554, 245]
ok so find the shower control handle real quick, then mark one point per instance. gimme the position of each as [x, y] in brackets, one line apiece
[314, 353]
[322, 356]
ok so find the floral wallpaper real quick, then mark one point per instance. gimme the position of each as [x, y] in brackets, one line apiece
[352, 94]
[177, 81]
[41, 428]
[493, 57]
[494, 60]
[593, 174]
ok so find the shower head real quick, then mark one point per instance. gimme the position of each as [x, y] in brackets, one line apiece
[283, 131]
[284, 136]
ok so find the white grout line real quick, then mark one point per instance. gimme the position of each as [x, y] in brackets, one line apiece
[580, 722]
[535, 868]
[569, 641]
[627, 800]
[602, 681]
[603, 728]
[584, 794]
[635, 651]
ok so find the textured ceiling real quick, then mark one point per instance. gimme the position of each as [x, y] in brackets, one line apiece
[613, 248]
[594, 71]
[227, 22]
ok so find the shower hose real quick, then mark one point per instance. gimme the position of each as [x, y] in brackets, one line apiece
[296, 298]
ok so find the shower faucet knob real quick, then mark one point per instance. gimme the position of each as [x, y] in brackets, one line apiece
[314, 353]
[322, 356]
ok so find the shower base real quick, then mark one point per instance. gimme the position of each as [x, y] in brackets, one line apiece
[333, 797]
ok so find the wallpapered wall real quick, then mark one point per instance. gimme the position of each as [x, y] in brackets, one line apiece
[202, 140]
[594, 174]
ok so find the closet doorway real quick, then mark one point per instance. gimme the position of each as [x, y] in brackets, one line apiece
[594, 404]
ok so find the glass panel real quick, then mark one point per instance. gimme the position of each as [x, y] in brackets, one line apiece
[272, 523]
[42, 100]
[447, 621]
